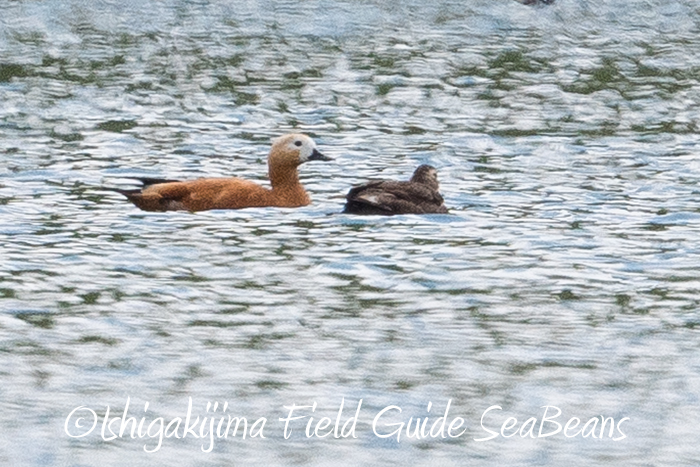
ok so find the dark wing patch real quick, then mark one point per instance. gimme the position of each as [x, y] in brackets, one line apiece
[167, 198]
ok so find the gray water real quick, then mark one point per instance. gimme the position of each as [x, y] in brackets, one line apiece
[566, 275]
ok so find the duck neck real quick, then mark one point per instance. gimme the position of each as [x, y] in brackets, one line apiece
[285, 183]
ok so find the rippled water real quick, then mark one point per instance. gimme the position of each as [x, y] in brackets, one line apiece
[566, 275]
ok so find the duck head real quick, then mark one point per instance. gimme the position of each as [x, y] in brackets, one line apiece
[427, 175]
[294, 149]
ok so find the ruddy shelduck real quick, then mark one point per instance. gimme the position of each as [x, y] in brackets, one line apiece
[420, 195]
[286, 154]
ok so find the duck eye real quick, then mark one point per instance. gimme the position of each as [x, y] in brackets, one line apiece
[297, 143]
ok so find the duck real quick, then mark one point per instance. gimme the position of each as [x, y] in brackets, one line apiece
[286, 154]
[419, 195]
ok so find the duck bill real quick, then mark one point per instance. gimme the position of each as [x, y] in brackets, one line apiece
[317, 156]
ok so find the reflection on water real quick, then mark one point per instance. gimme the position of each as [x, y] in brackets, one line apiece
[565, 275]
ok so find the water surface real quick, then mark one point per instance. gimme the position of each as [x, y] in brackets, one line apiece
[565, 139]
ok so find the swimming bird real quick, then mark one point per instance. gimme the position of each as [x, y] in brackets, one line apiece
[286, 154]
[420, 195]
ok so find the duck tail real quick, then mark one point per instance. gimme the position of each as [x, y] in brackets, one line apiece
[147, 181]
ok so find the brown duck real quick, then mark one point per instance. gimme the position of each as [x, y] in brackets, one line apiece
[286, 154]
[420, 195]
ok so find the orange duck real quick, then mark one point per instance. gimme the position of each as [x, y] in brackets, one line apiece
[286, 154]
[420, 195]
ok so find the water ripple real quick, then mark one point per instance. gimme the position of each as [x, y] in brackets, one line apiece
[566, 273]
